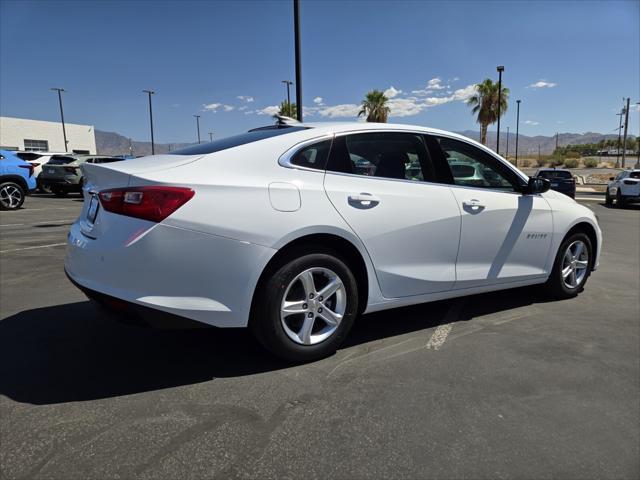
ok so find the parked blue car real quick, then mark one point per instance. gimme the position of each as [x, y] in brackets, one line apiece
[16, 180]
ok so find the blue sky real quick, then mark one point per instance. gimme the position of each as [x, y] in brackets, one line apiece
[570, 62]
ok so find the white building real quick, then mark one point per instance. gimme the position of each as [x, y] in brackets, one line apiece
[38, 135]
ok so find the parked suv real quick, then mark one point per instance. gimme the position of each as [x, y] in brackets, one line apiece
[16, 180]
[62, 174]
[624, 187]
[37, 159]
[561, 180]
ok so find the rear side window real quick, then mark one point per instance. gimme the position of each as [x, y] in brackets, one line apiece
[394, 155]
[60, 160]
[236, 141]
[313, 156]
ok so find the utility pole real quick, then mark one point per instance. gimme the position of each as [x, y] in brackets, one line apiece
[64, 131]
[517, 129]
[288, 83]
[211, 136]
[296, 30]
[638, 137]
[619, 133]
[198, 126]
[626, 127]
[151, 92]
[507, 155]
[500, 69]
[556, 141]
[538, 154]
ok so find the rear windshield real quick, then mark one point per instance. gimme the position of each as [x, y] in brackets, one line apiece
[555, 174]
[57, 160]
[105, 159]
[28, 155]
[235, 141]
[634, 175]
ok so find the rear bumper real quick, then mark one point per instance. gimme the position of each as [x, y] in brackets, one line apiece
[61, 183]
[197, 276]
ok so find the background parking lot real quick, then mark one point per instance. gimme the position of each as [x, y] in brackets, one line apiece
[507, 384]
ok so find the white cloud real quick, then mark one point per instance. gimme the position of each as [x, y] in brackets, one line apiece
[343, 110]
[543, 84]
[463, 94]
[318, 101]
[211, 107]
[405, 107]
[228, 108]
[270, 110]
[249, 112]
[391, 92]
[244, 107]
[434, 84]
[531, 122]
[245, 98]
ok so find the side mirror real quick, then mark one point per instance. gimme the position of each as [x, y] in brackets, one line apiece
[611, 179]
[537, 185]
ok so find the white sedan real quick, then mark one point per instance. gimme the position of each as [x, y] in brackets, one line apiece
[295, 230]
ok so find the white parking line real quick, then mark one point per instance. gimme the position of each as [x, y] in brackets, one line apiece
[33, 248]
[440, 335]
[589, 199]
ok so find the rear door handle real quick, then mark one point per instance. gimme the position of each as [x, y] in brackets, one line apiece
[472, 206]
[363, 200]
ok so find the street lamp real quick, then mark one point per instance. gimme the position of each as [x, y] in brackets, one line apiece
[151, 92]
[296, 32]
[198, 126]
[211, 136]
[288, 83]
[500, 70]
[64, 131]
[517, 129]
[507, 154]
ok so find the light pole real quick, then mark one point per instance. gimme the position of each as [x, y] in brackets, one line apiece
[500, 70]
[288, 83]
[64, 131]
[507, 154]
[626, 127]
[638, 137]
[211, 136]
[198, 126]
[517, 129]
[151, 92]
[619, 135]
[296, 31]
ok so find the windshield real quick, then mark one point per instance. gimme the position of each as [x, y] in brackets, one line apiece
[634, 175]
[555, 174]
[235, 141]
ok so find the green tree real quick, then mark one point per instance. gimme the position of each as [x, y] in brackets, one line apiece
[375, 107]
[484, 104]
[288, 109]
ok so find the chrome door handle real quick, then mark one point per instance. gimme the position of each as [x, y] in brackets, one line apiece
[363, 200]
[472, 203]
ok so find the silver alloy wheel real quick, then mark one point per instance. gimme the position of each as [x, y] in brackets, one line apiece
[575, 264]
[313, 306]
[10, 196]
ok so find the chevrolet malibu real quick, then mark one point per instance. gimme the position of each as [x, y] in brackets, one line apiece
[293, 230]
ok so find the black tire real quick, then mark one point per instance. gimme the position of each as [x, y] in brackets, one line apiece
[619, 199]
[266, 323]
[59, 192]
[608, 201]
[555, 285]
[11, 195]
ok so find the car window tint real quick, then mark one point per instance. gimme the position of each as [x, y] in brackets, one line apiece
[60, 160]
[400, 156]
[471, 167]
[313, 156]
[634, 175]
[555, 174]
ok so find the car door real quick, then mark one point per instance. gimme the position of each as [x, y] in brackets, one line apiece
[382, 184]
[505, 235]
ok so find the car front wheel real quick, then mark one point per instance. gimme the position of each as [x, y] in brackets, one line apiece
[11, 196]
[572, 267]
[608, 201]
[305, 309]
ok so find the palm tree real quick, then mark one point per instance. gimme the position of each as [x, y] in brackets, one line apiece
[485, 105]
[288, 109]
[374, 106]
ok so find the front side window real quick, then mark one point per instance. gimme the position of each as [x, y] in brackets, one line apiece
[471, 167]
[401, 156]
[313, 156]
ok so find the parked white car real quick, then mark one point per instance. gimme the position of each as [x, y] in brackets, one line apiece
[37, 159]
[278, 229]
[624, 188]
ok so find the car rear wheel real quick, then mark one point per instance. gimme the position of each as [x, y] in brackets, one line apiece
[305, 309]
[572, 267]
[608, 201]
[11, 196]
[619, 199]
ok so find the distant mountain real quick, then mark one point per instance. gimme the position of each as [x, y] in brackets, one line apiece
[111, 143]
[529, 145]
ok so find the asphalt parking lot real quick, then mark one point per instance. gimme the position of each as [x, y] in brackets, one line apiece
[499, 385]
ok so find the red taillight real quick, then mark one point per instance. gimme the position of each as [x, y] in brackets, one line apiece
[29, 166]
[73, 170]
[149, 203]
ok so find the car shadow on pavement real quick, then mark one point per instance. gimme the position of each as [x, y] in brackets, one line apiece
[77, 352]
